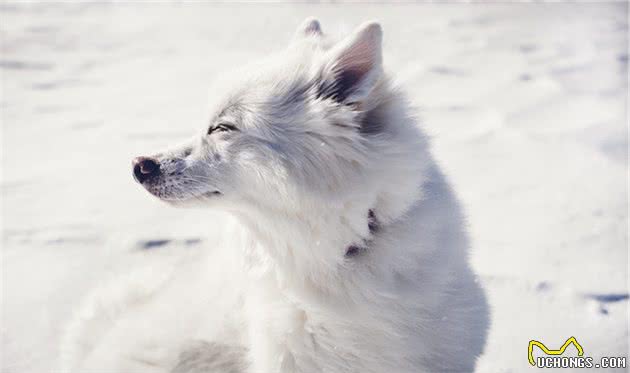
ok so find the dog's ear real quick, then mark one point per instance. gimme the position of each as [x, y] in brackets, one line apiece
[353, 67]
[309, 27]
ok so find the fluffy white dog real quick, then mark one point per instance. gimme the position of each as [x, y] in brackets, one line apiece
[347, 252]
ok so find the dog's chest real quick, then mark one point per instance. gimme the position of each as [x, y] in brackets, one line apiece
[288, 335]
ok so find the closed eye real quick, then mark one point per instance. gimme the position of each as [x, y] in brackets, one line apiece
[222, 127]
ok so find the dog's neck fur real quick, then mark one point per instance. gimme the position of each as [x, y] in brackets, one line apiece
[314, 251]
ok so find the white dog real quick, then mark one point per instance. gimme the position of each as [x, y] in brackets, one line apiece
[348, 252]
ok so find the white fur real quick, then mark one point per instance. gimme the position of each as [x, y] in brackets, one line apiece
[322, 138]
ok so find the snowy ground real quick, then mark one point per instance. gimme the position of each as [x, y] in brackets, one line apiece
[527, 105]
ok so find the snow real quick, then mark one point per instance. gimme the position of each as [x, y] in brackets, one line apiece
[526, 104]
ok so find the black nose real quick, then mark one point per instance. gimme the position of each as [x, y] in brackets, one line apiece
[145, 168]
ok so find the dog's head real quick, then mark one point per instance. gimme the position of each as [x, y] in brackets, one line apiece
[316, 124]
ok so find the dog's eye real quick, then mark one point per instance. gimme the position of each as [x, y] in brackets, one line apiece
[222, 127]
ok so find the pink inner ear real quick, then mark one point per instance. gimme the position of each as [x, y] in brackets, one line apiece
[353, 66]
[358, 59]
[363, 51]
[355, 62]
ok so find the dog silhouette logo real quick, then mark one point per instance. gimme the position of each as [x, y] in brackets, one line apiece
[560, 351]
